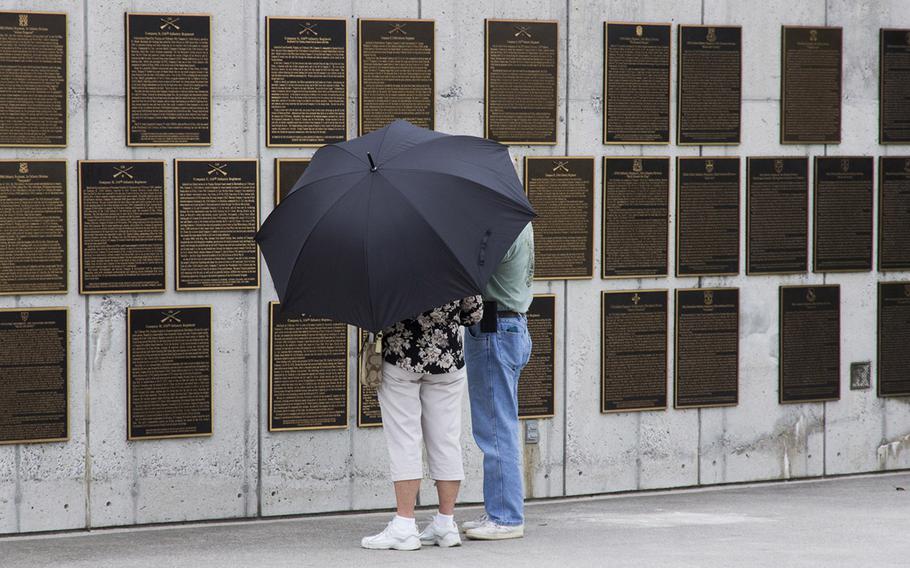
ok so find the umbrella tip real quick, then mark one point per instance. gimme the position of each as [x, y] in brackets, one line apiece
[372, 163]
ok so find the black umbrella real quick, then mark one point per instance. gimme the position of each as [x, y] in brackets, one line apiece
[386, 226]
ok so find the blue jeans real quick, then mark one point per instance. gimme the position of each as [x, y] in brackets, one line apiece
[494, 362]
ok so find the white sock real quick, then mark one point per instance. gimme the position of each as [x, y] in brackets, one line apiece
[443, 520]
[404, 523]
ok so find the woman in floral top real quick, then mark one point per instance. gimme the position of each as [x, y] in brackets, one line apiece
[420, 397]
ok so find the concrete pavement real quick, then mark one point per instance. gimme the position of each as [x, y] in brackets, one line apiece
[850, 522]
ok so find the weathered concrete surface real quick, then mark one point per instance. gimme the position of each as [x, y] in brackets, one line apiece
[827, 524]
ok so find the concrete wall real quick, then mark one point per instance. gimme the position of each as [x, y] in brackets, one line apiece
[99, 479]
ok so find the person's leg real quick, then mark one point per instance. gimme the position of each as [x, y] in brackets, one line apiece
[441, 399]
[399, 400]
[494, 362]
[447, 491]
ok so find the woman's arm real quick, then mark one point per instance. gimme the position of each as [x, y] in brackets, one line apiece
[471, 310]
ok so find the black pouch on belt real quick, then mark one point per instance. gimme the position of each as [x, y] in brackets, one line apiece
[489, 321]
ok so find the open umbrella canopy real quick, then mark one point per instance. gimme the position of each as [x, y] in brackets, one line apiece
[386, 226]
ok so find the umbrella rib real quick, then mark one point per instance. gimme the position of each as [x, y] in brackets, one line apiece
[432, 140]
[499, 196]
[318, 180]
[366, 257]
[433, 230]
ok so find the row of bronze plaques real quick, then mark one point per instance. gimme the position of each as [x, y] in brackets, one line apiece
[636, 206]
[122, 227]
[706, 371]
[170, 373]
[122, 208]
[169, 81]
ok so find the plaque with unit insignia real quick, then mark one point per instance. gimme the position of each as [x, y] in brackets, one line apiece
[217, 203]
[635, 221]
[894, 87]
[121, 227]
[811, 61]
[308, 372]
[633, 351]
[521, 81]
[893, 338]
[169, 372]
[707, 213]
[710, 85]
[809, 343]
[537, 387]
[33, 227]
[843, 213]
[561, 189]
[168, 80]
[287, 172]
[396, 62]
[368, 412]
[777, 215]
[707, 347]
[33, 82]
[894, 213]
[306, 81]
[636, 83]
[34, 356]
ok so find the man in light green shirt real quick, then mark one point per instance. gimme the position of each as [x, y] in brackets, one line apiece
[494, 360]
[510, 285]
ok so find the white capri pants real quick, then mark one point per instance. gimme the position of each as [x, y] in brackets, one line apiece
[422, 407]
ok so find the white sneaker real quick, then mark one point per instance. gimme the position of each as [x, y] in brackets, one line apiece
[467, 525]
[444, 537]
[393, 538]
[491, 531]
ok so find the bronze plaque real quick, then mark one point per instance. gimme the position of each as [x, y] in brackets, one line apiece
[308, 372]
[809, 343]
[843, 213]
[521, 81]
[368, 412]
[168, 80]
[537, 385]
[636, 83]
[121, 227]
[894, 213]
[287, 172]
[710, 85]
[34, 369]
[707, 347]
[169, 372]
[33, 79]
[561, 190]
[894, 87]
[893, 338]
[707, 216]
[635, 222]
[217, 205]
[33, 227]
[633, 351]
[397, 73]
[777, 215]
[306, 81]
[811, 61]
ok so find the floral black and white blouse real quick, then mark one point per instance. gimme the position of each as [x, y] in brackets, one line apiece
[431, 343]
